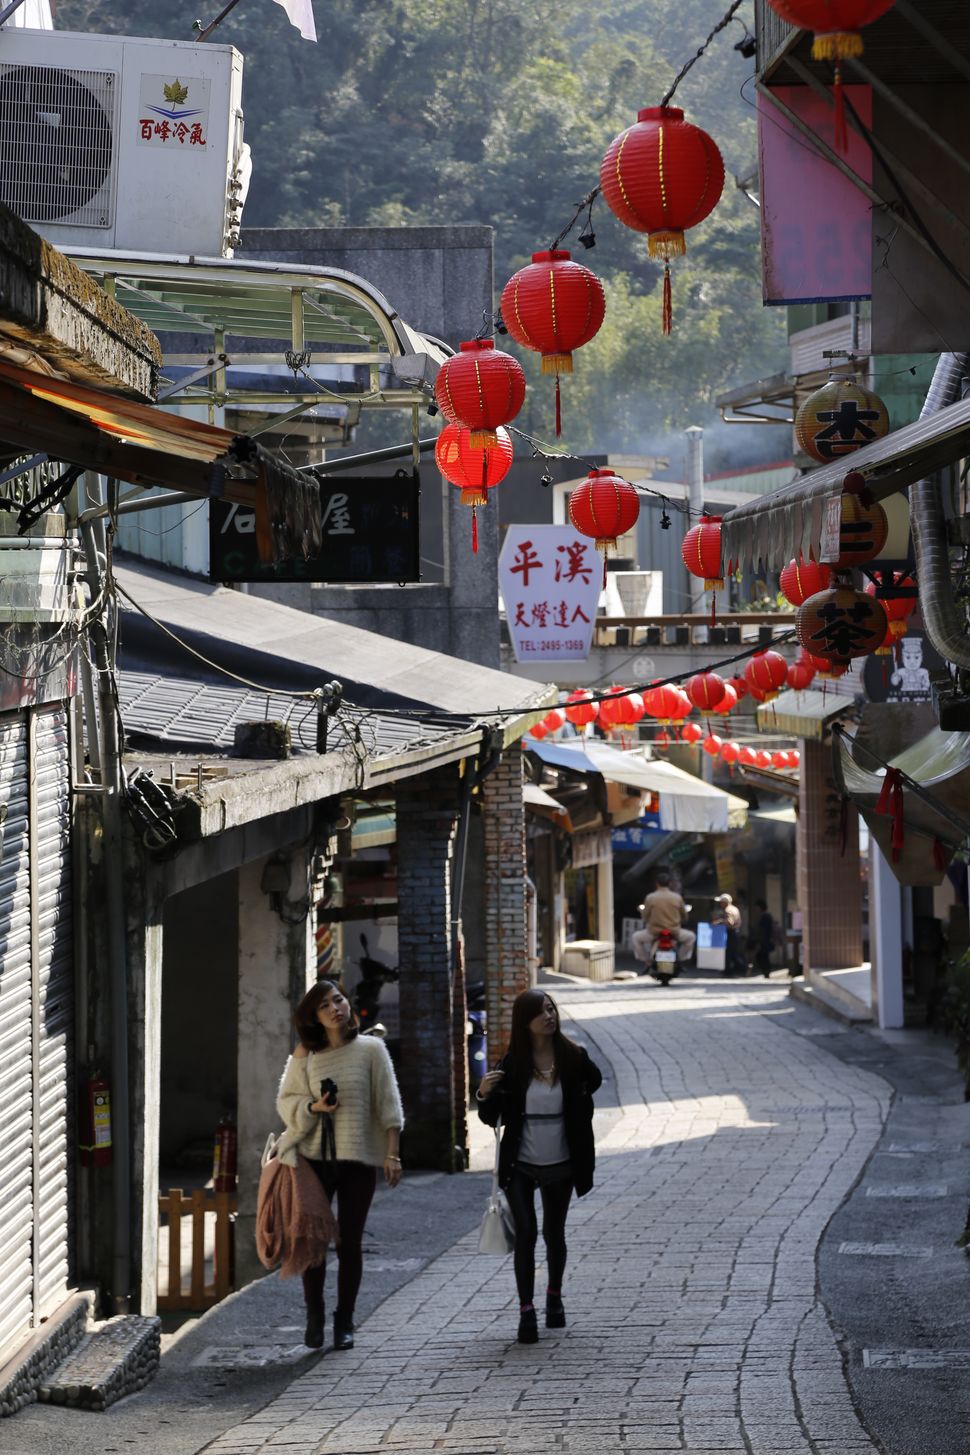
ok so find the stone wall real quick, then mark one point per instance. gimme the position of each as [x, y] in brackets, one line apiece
[506, 932]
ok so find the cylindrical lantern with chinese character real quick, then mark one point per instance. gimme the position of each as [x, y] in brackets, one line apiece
[863, 531]
[481, 387]
[841, 623]
[801, 579]
[839, 419]
[662, 176]
[553, 306]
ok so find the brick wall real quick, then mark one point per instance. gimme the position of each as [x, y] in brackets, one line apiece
[506, 958]
[829, 887]
[427, 809]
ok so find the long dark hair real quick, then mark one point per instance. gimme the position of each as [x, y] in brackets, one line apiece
[311, 1033]
[526, 1006]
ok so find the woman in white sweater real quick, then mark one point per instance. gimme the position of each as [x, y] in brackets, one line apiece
[339, 1096]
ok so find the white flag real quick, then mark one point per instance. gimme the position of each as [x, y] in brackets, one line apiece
[300, 14]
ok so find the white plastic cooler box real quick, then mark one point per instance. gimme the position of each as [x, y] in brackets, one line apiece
[594, 959]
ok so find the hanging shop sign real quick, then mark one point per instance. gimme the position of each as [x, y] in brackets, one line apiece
[591, 846]
[550, 578]
[370, 535]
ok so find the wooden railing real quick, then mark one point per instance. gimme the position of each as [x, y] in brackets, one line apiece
[201, 1294]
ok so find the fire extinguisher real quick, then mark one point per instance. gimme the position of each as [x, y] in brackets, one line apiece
[224, 1156]
[94, 1144]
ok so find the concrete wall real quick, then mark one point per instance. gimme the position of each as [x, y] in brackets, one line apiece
[829, 883]
[507, 968]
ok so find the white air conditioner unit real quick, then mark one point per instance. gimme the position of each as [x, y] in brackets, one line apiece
[122, 144]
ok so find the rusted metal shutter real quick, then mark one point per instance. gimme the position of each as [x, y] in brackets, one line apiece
[16, 1035]
[53, 1062]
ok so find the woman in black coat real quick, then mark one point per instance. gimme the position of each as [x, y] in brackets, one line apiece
[543, 1092]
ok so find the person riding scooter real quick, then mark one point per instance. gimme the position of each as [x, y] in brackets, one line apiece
[664, 909]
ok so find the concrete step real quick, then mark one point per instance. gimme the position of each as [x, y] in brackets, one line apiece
[841, 1007]
[112, 1360]
[31, 1364]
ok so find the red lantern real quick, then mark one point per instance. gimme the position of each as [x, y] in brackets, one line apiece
[702, 552]
[664, 703]
[691, 733]
[554, 720]
[841, 623]
[705, 690]
[836, 24]
[604, 507]
[553, 306]
[898, 609]
[713, 744]
[763, 759]
[482, 388]
[794, 758]
[728, 701]
[824, 668]
[747, 758]
[730, 752]
[801, 579]
[779, 760]
[889, 641]
[740, 687]
[580, 710]
[538, 732]
[766, 674]
[801, 675]
[662, 176]
[474, 470]
[621, 708]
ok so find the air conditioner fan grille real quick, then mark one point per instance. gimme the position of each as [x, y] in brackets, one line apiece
[56, 130]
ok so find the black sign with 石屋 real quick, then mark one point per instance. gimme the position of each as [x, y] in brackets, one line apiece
[369, 527]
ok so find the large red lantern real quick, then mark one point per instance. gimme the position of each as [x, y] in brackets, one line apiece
[604, 507]
[482, 388]
[662, 176]
[553, 306]
[840, 624]
[580, 709]
[836, 24]
[701, 552]
[898, 609]
[473, 469]
[801, 675]
[801, 579]
[766, 674]
[705, 690]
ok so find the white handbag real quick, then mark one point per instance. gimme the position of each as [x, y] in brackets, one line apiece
[496, 1235]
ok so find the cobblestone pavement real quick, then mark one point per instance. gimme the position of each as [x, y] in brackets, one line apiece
[694, 1322]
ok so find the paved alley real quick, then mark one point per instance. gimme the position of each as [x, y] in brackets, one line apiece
[691, 1291]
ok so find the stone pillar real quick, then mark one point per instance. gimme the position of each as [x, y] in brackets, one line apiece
[829, 886]
[427, 816]
[885, 940]
[506, 908]
[277, 965]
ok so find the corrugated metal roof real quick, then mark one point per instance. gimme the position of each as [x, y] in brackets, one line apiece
[179, 710]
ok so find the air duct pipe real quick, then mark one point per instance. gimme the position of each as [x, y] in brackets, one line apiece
[946, 624]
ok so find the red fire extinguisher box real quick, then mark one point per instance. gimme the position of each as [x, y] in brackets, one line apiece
[94, 1140]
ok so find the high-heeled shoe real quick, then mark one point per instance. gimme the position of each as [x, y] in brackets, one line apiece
[528, 1327]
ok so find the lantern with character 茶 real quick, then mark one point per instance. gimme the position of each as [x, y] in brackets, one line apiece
[841, 623]
[839, 419]
[473, 469]
[662, 176]
[553, 306]
[482, 388]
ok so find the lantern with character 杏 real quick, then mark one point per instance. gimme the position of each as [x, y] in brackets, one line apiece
[839, 419]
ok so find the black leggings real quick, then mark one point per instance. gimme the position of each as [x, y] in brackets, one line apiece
[555, 1204]
[353, 1184]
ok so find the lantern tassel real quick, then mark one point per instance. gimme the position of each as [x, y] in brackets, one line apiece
[713, 608]
[475, 530]
[558, 409]
[841, 130]
[668, 306]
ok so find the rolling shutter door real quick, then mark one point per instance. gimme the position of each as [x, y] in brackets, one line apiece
[54, 1008]
[16, 1124]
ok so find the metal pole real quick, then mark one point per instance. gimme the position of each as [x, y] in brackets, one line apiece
[350, 462]
[93, 536]
[6, 14]
[695, 502]
[204, 34]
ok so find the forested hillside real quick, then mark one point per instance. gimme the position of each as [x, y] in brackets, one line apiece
[498, 112]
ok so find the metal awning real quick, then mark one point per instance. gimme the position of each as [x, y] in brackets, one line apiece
[786, 523]
[224, 316]
[146, 446]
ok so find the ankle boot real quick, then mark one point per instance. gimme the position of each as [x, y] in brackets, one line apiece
[313, 1337]
[555, 1313]
[343, 1332]
[528, 1327]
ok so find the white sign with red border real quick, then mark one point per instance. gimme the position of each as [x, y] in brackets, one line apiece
[550, 578]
